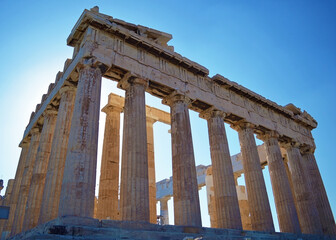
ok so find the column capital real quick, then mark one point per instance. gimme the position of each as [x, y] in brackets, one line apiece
[290, 144]
[174, 97]
[108, 109]
[150, 120]
[131, 79]
[306, 149]
[50, 111]
[91, 62]
[212, 113]
[67, 88]
[35, 130]
[267, 135]
[241, 125]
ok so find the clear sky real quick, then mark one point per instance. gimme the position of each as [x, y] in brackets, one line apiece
[284, 50]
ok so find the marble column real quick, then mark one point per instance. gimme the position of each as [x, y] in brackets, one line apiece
[244, 207]
[164, 211]
[16, 188]
[134, 192]
[306, 210]
[151, 170]
[186, 198]
[225, 194]
[319, 193]
[54, 176]
[284, 200]
[25, 182]
[35, 195]
[79, 178]
[211, 197]
[261, 216]
[108, 198]
[6, 201]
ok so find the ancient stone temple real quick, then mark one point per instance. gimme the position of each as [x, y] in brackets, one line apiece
[53, 193]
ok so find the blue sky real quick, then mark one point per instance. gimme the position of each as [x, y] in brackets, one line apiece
[283, 50]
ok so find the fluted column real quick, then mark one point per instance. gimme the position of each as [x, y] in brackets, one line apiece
[284, 200]
[35, 195]
[109, 173]
[261, 217]
[306, 210]
[225, 194]
[79, 178]
[319, 193]
[16, 188]
[151, 170]
[164, 211]
[134, 193]
[54, 176]
[26, 179]
[186, 198]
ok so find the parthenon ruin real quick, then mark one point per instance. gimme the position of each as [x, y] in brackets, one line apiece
[53, 193]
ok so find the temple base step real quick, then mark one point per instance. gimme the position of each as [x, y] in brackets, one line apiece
[89, 228]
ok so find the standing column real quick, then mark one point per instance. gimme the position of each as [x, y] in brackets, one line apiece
[79, 179]
[16, 187]
[39, 172]
[211, 197]
[164, 211]
[261, 216]
[225, 194]
[284, 201]
[25, 183]
[151, 170]
[109, 173]
[307, 212]
[185, 187]
[134, 195]
[319, 194]
[6, 202]
[54, 176]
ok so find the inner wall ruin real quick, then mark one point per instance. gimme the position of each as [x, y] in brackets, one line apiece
[56, 176]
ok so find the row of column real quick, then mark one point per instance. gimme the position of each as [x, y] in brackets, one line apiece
[60, 160]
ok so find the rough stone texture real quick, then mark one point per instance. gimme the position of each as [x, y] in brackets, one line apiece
[5, 201]
[319, 194]
[151, 170]
[25, 183]
[244, 208]
[108, 199]
[186, 199]
[211, 197]
[88, 228]
[79, 179]
[15, 192]
[306, 209]
[54, 176]
[284, 200]
[35, 194]
[134, 193]
[225, 195]
[261, 217]
[164, 211]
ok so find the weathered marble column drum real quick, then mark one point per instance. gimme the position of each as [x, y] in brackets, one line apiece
[186, 198]
[261, 217]
[40, 169]
[306, 209]
[108, 199]
[151, 170]
[26, 179]
[16, 188]
[164, 211]
[79, 179]
[225, 194]
[284, 200]
[319, 193]
[54, 177]
[134, 192]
